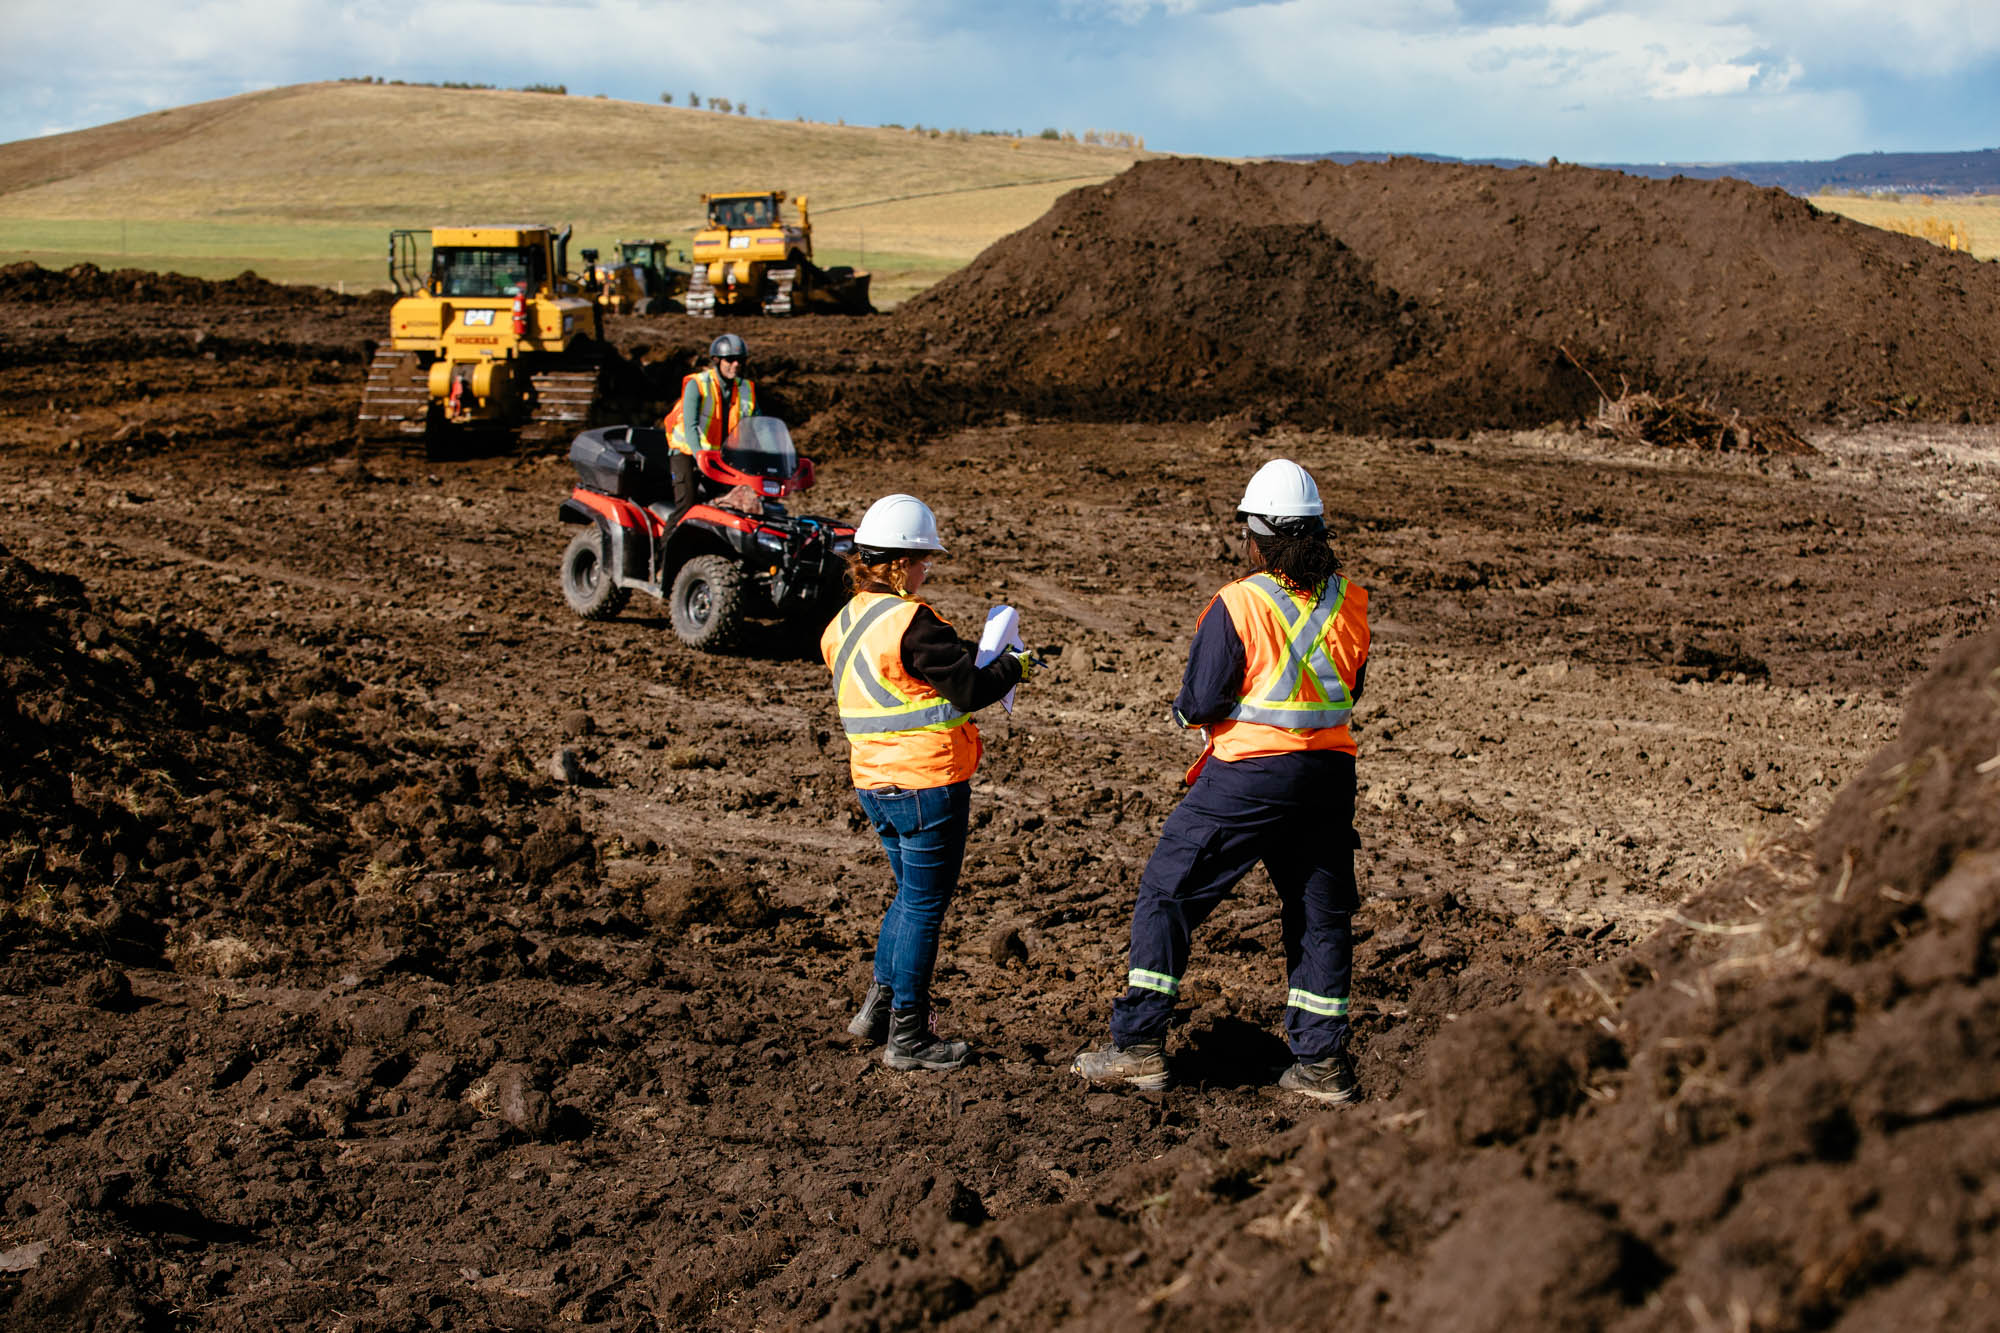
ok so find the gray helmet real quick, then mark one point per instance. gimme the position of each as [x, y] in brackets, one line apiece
[728, 345]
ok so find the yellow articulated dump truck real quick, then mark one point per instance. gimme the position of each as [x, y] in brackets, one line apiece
[750, 258]
[489, 336]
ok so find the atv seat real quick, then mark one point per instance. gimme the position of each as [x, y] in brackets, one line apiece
[631, 462]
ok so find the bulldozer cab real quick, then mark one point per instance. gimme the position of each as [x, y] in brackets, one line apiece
[487, 271]
[644, 254]
[478, 262]
[743, 212]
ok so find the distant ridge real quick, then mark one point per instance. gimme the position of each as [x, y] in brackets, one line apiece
[1975, 172]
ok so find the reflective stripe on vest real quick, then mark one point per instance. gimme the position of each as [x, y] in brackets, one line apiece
[1279, 702]
[892, 711]
[708, 390]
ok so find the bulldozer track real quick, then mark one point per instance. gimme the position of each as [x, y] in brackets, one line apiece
[397, 397]
[700, 300]
[565, 398]
[562, 398]
[777, 294]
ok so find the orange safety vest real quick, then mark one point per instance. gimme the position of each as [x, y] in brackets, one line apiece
[902, 732]
[1301, 657]
[742, 400]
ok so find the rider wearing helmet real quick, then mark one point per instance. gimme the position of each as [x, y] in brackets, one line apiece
[1276, 666]
[907, 687]
[713, 400]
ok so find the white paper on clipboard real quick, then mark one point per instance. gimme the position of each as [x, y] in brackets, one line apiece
[1002, 632]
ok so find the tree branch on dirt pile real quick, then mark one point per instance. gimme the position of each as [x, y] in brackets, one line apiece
[1639, 417]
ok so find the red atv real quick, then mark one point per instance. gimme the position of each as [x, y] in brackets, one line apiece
[733, 553]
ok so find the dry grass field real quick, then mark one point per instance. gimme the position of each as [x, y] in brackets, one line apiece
[1976, 216]
[301, 183]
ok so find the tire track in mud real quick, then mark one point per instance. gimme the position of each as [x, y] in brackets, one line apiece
[1546, 755]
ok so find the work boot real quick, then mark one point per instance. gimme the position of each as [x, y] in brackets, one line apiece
[1328, 1080]
[915, 1044]
[1143, 1064]
[872, 1023]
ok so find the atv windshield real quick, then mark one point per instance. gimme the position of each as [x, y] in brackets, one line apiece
[466, 270]
[762, 447]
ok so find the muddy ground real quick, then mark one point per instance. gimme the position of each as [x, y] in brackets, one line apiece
[322, 1002]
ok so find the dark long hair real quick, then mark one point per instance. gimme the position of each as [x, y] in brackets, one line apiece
[1305, 562]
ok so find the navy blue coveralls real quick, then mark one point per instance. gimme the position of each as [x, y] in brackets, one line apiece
[1295, 813]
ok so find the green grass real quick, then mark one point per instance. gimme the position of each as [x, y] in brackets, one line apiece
[350, 258]
[332, 256]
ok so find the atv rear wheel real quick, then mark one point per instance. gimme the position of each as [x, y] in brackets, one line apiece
[587, 583]
[706, 604]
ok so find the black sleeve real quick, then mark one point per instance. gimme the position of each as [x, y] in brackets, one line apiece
[1213, 680]
[933, 654]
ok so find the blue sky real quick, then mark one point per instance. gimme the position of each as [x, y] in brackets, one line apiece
[1584, 80]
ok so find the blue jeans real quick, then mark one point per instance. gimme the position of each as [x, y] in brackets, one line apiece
[923, 831]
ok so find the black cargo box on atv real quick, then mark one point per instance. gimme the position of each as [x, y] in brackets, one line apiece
[626, 461]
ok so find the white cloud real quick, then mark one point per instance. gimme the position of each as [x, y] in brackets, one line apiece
[1589, 79]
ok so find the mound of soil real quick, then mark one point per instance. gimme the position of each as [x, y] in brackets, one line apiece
[1780, 1112]
[172, 802]
[29, 282]
[1438, 296]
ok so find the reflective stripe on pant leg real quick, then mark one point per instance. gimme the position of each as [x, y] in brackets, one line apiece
[1313, 870]
[1316, 1006]
[1326, 1006]
[1200, 856]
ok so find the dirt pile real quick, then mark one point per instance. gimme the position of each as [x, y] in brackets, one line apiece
[172, 802]
[1436, 297]
[29, 282]
[1781, 1112]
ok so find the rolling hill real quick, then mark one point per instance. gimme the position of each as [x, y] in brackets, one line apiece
[301, 182]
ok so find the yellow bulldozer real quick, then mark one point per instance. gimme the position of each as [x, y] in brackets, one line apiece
[489, 336]
[750, 258]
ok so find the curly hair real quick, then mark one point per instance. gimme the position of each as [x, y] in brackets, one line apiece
[890, 576]
[1305, 562]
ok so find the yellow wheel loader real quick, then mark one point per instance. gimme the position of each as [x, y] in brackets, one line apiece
[751, 258]
[490, 336]
[642, 282]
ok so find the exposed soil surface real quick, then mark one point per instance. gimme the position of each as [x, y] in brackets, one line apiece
[1423, 297]
[326, 999]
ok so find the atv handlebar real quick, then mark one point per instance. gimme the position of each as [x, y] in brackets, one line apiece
[711, 465]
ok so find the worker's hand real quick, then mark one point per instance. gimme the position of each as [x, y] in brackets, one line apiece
[1030, 663]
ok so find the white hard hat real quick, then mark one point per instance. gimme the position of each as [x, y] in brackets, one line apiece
[897, 523]
[1282, 489]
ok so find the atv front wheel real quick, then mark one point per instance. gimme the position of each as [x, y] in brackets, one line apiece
[587, 584]
[706, 604]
